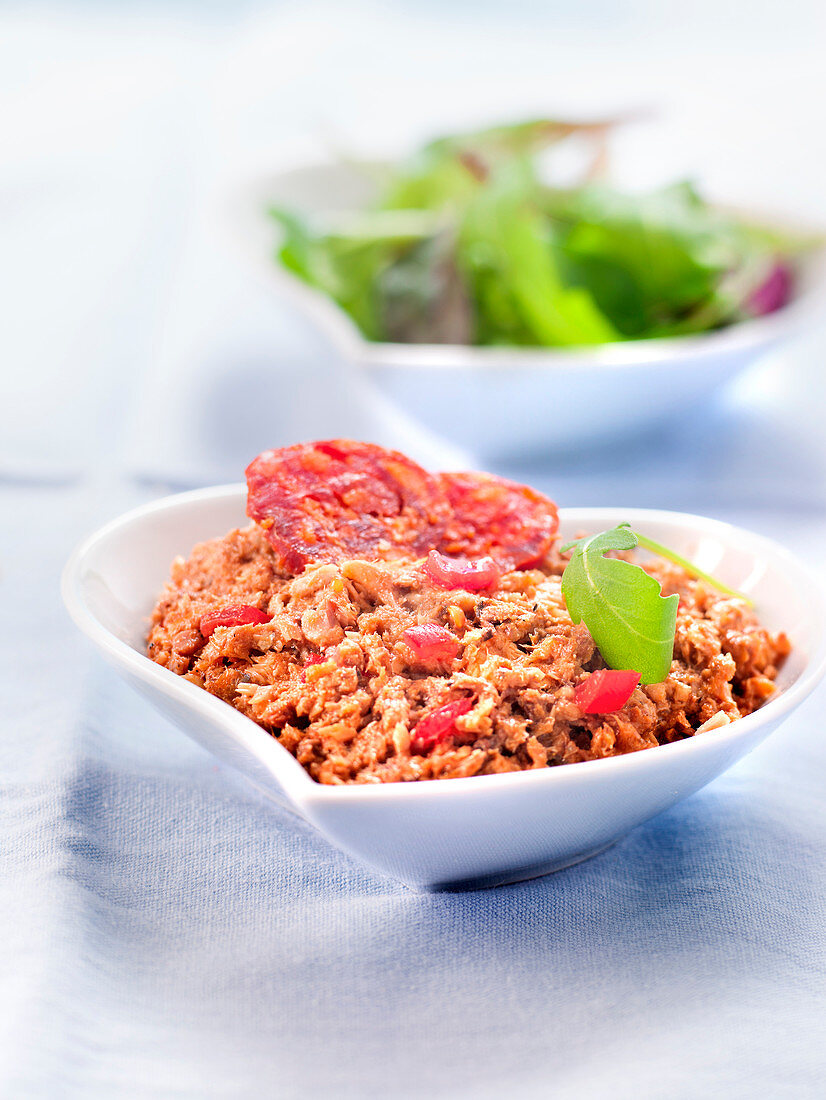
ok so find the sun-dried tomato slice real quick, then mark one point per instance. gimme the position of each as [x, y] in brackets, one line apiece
[330, 501]
[496, 518]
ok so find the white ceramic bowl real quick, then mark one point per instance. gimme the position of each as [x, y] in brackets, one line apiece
[511, 402]
[477, 831]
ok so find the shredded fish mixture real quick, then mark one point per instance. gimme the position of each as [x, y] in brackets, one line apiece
[321, 661]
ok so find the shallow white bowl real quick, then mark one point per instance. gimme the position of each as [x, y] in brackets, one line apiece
[511, 402]
[481, 830]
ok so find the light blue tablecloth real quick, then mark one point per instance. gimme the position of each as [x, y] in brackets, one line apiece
[163, 931]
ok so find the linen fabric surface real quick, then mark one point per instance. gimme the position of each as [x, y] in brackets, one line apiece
[164, 930]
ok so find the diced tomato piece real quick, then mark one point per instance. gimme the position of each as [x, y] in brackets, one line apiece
[473, 576]
[438, 726]
[430, 641]
[240, 614]
[605, 691]
[312, 659]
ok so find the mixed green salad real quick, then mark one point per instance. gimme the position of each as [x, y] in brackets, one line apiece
[467, 243]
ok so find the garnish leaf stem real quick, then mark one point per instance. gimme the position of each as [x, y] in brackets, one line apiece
[671, 555]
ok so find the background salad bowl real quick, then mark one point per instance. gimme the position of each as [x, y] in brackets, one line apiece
[510, 402]
[482, 830]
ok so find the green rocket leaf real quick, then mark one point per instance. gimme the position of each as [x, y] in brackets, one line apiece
[632, 623]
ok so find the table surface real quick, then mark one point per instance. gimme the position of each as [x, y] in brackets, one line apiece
[164, 931]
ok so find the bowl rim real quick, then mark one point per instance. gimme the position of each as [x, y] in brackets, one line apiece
[305, 791]
[740, 337]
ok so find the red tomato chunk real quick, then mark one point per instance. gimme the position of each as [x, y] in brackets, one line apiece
[313, 659]
[241, 614]
[432, 642]
[605, 691]
[438, 726]
[473, 576]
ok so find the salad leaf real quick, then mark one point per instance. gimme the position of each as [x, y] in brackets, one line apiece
[671, 246]
[505, 241]
[345, 257]
[632, 624]
[422, 298]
